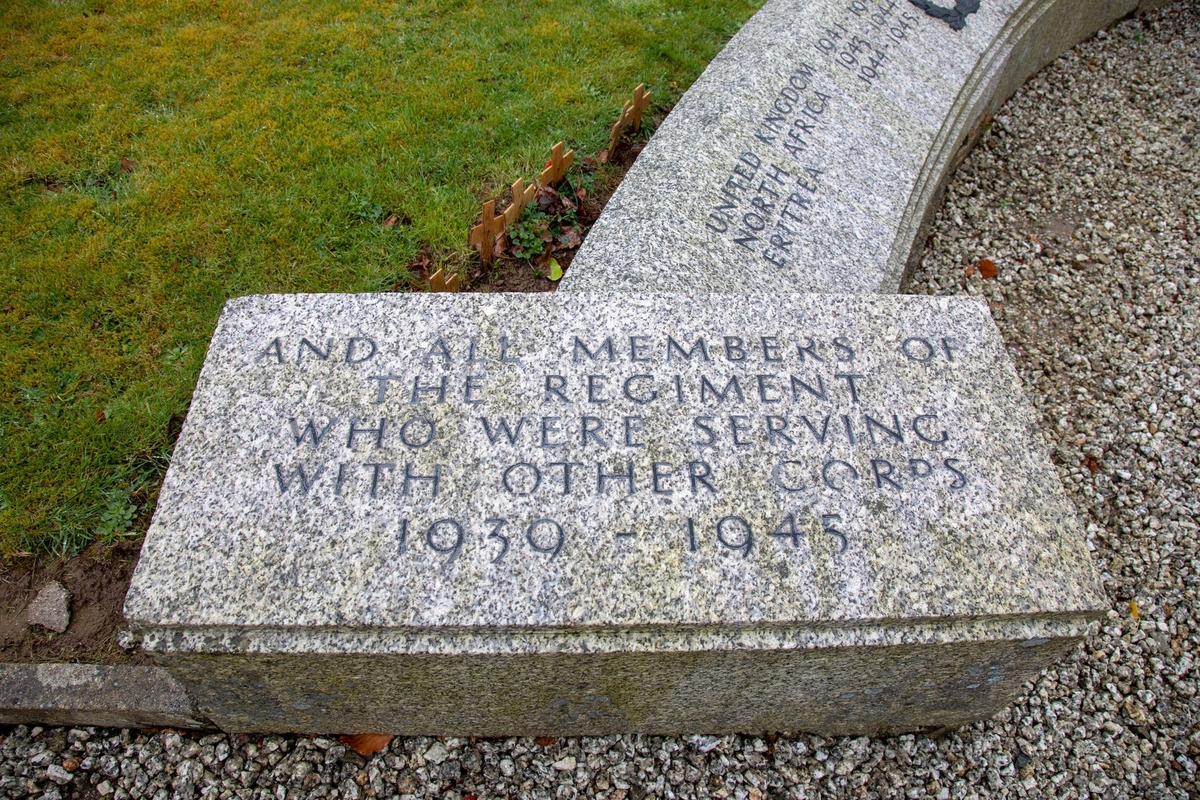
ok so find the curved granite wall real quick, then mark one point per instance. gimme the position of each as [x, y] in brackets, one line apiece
[810, 154]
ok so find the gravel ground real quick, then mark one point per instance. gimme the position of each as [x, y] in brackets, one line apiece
[1085, 198]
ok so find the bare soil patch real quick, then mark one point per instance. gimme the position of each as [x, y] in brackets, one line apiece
[97, 579]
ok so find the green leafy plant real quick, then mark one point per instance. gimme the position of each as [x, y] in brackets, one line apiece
[117, 517]
[366, 210]
[526, 235]
[176, 353]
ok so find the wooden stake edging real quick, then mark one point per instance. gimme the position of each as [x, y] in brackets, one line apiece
[438, 282]
[559, 164]
[521, 196]
[483, 236]
[631, 115]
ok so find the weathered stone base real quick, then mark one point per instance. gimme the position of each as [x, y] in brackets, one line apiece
[764, 681]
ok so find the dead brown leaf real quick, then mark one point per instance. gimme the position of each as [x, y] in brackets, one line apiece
[366, 744]
[544, 741]
[547, 197]
[987, 269]
[100, 418]
[391, 222]
[570, 239]
[1092, 464]
[128, 165]
[500, 246]
[421, 263]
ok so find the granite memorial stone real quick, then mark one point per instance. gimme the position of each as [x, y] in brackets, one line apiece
[809, 155]
[581, 514]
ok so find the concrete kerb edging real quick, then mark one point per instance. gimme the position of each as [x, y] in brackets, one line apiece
[90, 695]
[150, 697]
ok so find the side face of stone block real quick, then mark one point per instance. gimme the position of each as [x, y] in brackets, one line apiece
[809, 154]
[386, 485]
[836, 690]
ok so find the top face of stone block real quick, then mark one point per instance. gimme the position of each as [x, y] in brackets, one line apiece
[572, 460]
[792, 163]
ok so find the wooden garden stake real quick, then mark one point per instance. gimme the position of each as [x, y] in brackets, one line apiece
[521, 195]
[631, 115]
[641, 101]
[615, 133]
[438, 282]
[483, 235]
[559, 164]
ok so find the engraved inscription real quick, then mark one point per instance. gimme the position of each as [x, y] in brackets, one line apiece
[642, 416]
[777, 179]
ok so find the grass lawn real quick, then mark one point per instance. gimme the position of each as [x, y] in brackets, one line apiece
[160, 157]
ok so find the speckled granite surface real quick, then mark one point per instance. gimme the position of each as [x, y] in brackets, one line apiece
[861, 474]
[807, 156]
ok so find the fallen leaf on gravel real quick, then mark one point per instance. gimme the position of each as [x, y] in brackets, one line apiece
[544, 741]
[366, 744]
[1136, 712]
[987, 269]
[1133, 609]
[70, 764]
[1092, 464]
